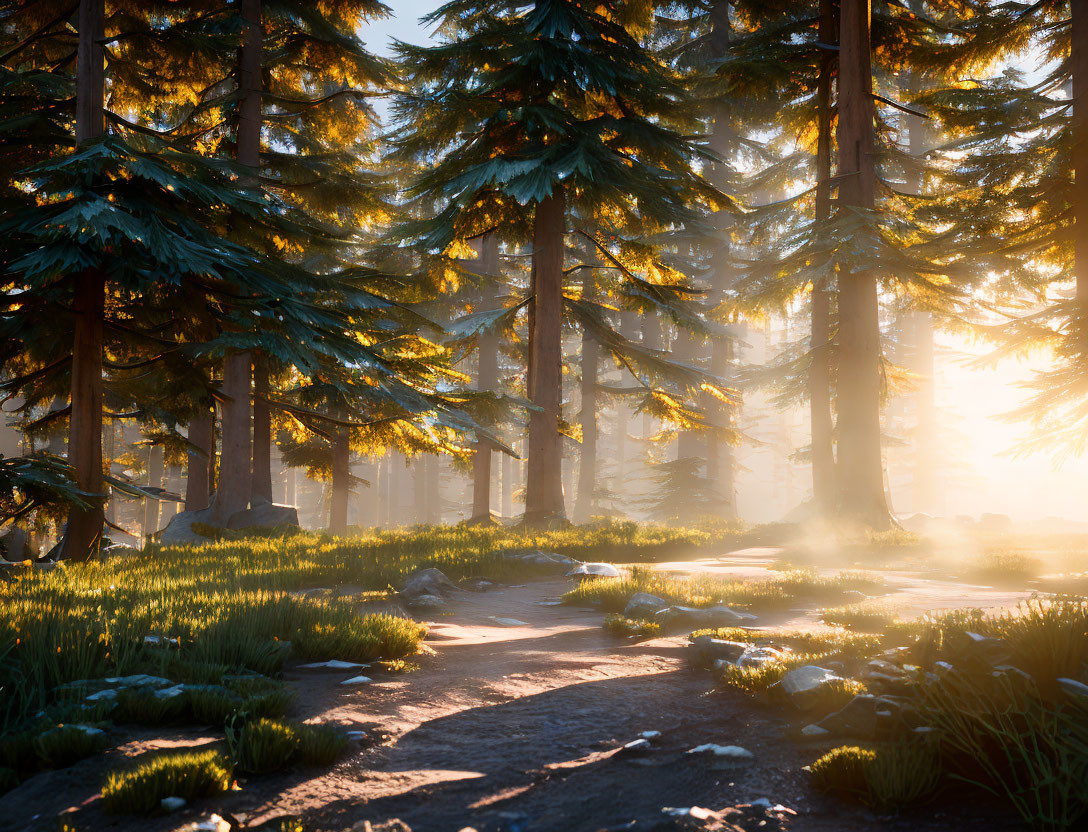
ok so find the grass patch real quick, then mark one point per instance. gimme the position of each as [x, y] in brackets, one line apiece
[320, 745]
[783, 590]
[1005, 568]
[187, 774]
[66, 744]
[838, 642]
[863, 617]
[262, 745]
[623, 627]
[886, 777]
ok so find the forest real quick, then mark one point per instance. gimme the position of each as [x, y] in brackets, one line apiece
[592, 416]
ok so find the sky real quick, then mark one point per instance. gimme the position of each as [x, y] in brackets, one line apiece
[983, 476]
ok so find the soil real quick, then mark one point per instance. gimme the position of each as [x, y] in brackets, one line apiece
[513, 726]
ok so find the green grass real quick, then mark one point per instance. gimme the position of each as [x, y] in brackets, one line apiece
[1005, 568]
[836, 642]
[320, 745]
[887, 777]
[624, 627]
[783, 590]
[864, 617]
[262, 745]
[187, 774]
[66, 744]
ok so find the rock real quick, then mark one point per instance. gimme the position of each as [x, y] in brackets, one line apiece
[594, 570]
[263, 515]
[103, 695]
[507, 622]
[644, 605]
[477, 584]
[172, 804]
[732, 752]
[1073, 687]
[719, 616]
[357, 680]
[332, 664]
[179, 531]
[639, 746]
[650, 735]
[881, 674]
[213, 823]
[428, 582]
[858, 718]
[759, 656]
[802, 685]
[139, 680]
[162, 641]
[710, 649]
[426, 602]
[170, 692]
[916, 522]
[815, 732]
[15, 545]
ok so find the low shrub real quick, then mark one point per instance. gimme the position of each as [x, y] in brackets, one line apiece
[186, 774]
[623, 627]
[887, 777]
[213, 705]
[259, 746]
[320, 745]
[66, 744]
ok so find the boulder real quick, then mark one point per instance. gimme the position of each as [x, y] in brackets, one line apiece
[551, 561]
[263, 515]
[883, 675]
[644, 605]
[857, 718]
[594, 570]
[426, 602]
[713, 649]
[802, 685]
[429, 581]
[179, 531]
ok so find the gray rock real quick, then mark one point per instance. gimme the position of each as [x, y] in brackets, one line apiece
[264, 515]
[883, 675]
[477, 584]
[639, 746]
[715, 649]
[431, 582]
[802, 685]
[644, 605]
[759, 656]
[172, 804]
[179, 531]
[426, 602]
[594, 570]
[858, 718]
[719, 616]
[815, 732]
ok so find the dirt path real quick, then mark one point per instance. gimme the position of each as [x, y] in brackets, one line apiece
[513, 728]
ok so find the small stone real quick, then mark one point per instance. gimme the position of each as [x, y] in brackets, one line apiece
[650, 735]
[644, 605]
[733, 752]
[356, 736]
[357, 680]
[759, 656]
[103, 695]
[594, 570]
[815, 732]
[162, 641]
[507, 622]
[332, 664]
[713, 649]
[172, 804]
[426, 602]
[214, 823]
[636, 746]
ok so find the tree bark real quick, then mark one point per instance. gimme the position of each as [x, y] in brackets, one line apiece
[156, 470]
[83, 534]
[341, 473]
[235, 462]
[586, 504]
[197, 477]
[1078, 60]
[544, 488]
[862, 497]
[262, 432]
[819, 379]
[487, 379]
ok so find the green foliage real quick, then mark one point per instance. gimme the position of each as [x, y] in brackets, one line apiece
[706, 590]
[186, 774]
[320, 745]
[619, 625]
[214, 706]
[1005, 568]
[262, 745]
[865, 616]
[66, 744]
[887, 777]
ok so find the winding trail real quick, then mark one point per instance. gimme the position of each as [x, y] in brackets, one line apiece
[510, 726]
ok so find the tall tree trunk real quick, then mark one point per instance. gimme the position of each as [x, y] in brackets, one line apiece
[487, 379]
[507, 505]
[586, 504]
[1078, 60]
[341, 473]
[861, 472]
[83, 534]
[819, 378]
[156, 470]
[653, 338]
[201, 461]
[235, 463]
[262, 432]
[544, 489]
[720, 462]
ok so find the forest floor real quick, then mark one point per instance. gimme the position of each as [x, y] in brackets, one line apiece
[514, 722]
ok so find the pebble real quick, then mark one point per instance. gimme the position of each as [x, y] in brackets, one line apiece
[734, 752]
[357, 680]
[172, 804]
